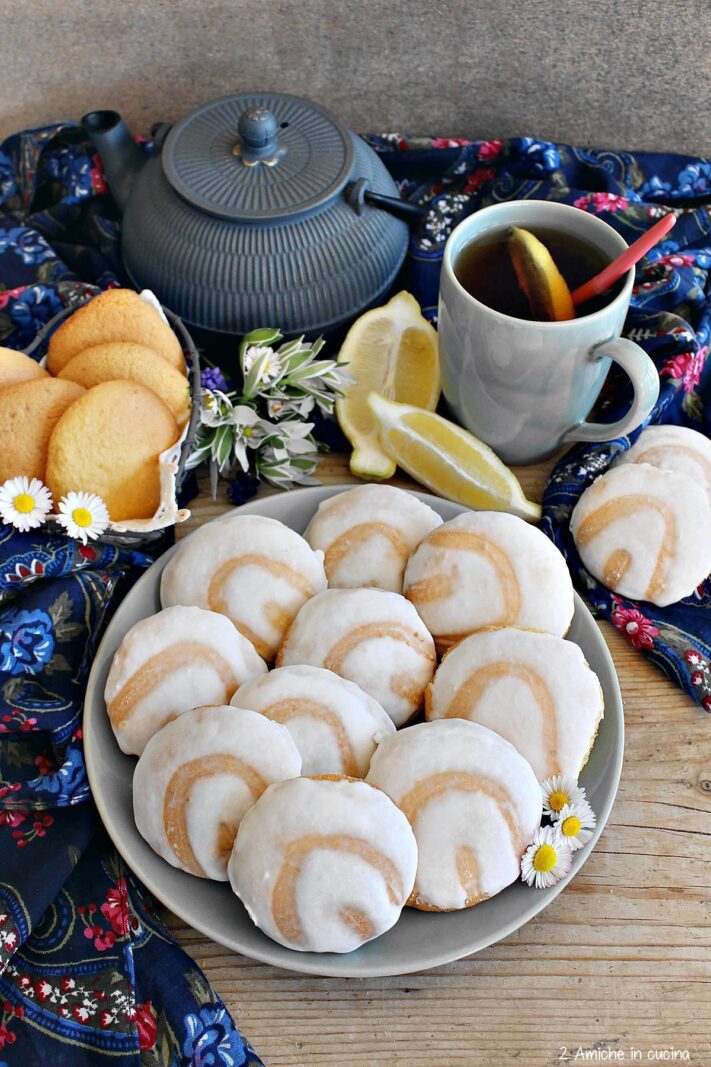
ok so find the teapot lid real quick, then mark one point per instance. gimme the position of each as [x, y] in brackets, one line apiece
[258, 156]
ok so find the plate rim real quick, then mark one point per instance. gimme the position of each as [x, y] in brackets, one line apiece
[310, 963]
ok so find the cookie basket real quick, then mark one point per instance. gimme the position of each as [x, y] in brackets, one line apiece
[143, 532]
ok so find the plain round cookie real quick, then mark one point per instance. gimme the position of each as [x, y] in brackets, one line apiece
[323, 865]
[29, 412]
[335, 724]
[256, 571]
[17, 367]
[535, 690]
[120, 360]
[199, 776]
[673, 448]
[109, 442]
[371, 637]
[645, 533]
[115, 315]
[178, 659]
[473, 802]
[487, 568]
[367, 535]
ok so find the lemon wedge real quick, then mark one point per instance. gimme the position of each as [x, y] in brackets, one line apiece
[448, 460]
[391, 350]
[545, 287]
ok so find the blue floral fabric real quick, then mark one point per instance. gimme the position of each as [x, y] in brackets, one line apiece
[87, 971]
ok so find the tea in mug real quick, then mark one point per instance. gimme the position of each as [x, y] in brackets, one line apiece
[485, 269]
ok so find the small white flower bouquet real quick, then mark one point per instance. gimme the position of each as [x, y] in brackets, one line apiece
[262, 428]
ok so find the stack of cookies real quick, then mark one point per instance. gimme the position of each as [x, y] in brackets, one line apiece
[113, 397]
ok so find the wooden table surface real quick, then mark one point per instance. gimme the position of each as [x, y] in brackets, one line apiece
[616, 970]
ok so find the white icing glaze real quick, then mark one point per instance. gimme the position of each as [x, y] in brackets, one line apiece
[209, 759]
[644, 532]
[351, 851]
[452, 763]
[368, 534]
[673, 448]
[255, 570]
[335, 724]
[211, 659]
[488, 569]
[374, 638]
[533, 689]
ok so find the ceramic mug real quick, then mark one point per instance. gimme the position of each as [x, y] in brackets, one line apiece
[527, 387]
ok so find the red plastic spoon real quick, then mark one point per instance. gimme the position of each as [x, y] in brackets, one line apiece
[607, 277]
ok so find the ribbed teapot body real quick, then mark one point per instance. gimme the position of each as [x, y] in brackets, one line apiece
[308, 273]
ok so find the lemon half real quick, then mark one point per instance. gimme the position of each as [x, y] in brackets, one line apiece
[393, 351]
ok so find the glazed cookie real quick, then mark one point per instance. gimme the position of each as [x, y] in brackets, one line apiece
[473, 802]
[335, 725]
[169, 663]
[533, 689]
[17, 367]
[254, 570]
[484, 569]
[116, 315]
[645, 533]
[673, 448]
[123, 360]
[109, 442]
[198, 777]
[323, 865]
[367, 535]
[29, 411]
[374, 638]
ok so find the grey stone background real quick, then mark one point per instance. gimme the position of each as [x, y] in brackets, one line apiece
[616, 73]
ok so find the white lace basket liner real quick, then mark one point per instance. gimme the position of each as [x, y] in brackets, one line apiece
[171, 462]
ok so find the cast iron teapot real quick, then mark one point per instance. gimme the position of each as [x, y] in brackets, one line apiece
[255, 210]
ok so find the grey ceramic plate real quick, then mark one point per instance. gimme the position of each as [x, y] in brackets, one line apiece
[419, 940]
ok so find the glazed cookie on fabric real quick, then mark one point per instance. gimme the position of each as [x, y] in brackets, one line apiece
[645, 533]
[198, 777]
[17, 367]
[473, 802]
[323, 864]
[254, 570]
[367, 535]
[486, 568]
[170, 663]
[371, 637]
[673, 448]
[535, 690]
[335, 724]
[116, 315]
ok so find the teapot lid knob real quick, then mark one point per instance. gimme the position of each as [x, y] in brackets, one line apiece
[257, 129]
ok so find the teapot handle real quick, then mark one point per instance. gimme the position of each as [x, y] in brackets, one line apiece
[159, 132]
[358, 195]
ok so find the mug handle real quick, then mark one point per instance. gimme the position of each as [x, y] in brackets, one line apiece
[645, 381]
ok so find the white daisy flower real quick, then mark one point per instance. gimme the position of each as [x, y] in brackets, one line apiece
[24, 503]
[559, 791]
[575, 823]
[269, 363]
[83, 515]
[547, 859]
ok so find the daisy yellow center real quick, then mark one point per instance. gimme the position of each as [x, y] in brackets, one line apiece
[558, 800]
[23, 503]
[571, 826]
[248, 431]
[544, 859]
[82, 517]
